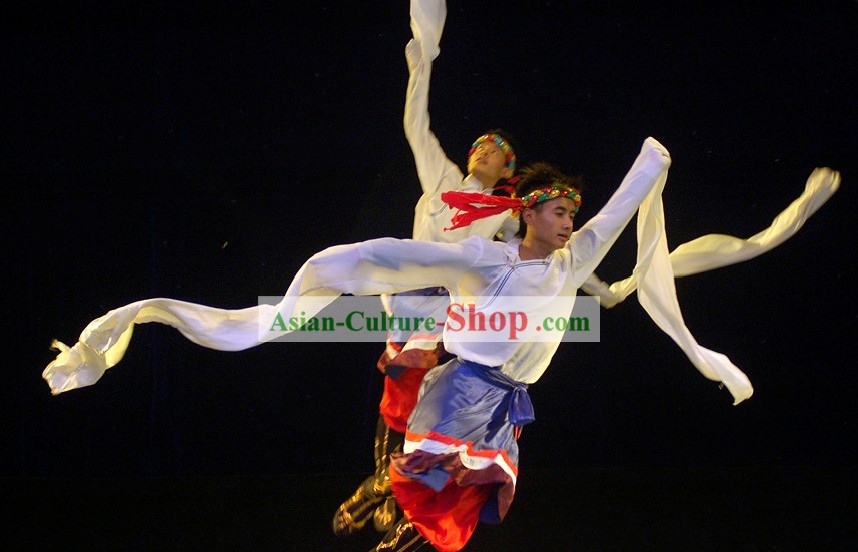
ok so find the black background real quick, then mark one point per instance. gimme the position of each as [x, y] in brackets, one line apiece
[204, 152]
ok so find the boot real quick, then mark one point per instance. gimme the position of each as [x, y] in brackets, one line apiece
[373, 498]
[387, 441]
[385, 515]
[353, 514]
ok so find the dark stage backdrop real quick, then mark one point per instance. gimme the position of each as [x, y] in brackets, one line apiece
[203, 153]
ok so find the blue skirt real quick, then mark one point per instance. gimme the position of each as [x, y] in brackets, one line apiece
[463, 433]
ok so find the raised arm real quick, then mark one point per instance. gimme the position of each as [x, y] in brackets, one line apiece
[718, 250]
[368, 268]
[434, 169]
[591, 242]
[641, 190]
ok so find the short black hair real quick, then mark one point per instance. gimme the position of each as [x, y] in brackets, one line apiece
[543, 175]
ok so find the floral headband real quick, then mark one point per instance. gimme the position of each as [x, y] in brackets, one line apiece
[502, 144]
[474, 205]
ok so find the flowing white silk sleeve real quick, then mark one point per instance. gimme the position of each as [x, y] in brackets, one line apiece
[427, 25]
[718, 250]
[435, 171]
[589, 245]
[657, 295]
[368, 268]
[596, 287]
[641, 191]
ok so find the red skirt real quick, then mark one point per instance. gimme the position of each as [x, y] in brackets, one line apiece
[400, 391]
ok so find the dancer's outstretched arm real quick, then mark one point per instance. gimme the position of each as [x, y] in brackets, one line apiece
[368, 268]
[436, 172]
[718, 250]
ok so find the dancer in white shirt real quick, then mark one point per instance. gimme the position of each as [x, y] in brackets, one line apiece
[409, 355]
[474, 267]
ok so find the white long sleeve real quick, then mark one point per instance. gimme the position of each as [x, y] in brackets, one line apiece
[436, 172]
[718, 250]
[369, 268]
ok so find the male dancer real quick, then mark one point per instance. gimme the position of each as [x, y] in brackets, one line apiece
[407, 356]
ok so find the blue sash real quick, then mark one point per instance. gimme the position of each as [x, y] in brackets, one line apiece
[520, 407]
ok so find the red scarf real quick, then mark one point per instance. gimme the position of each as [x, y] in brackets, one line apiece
[473, 206]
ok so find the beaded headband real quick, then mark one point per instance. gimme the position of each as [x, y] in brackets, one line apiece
[544, 194]
[474, 206]
[502, 144]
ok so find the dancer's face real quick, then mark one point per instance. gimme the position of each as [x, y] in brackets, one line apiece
[488, 163]
[549, 224]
